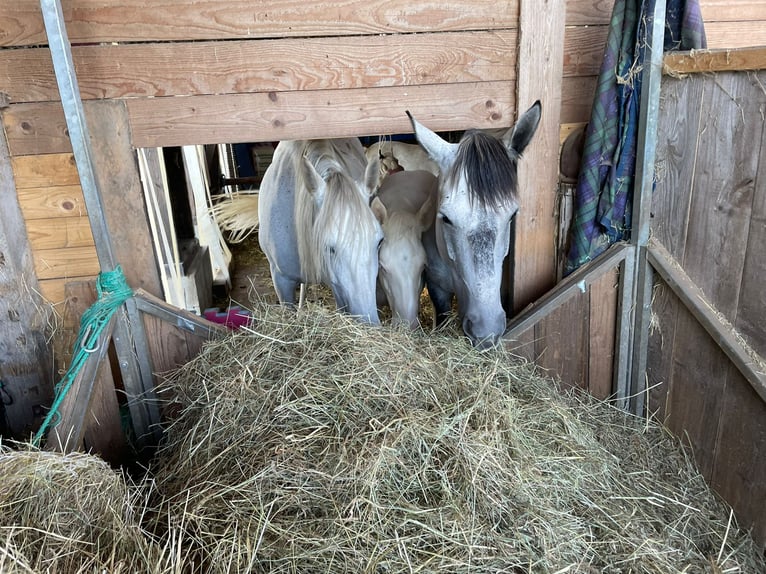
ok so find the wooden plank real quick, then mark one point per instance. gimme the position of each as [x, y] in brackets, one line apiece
[199, 68]
[588, 12]
[45, 170]
[55, 202]
[720, 60]
[562, 342]
[541, 50]
[194, 324]
[576, 98]
[602, 329]
[66, 263]
[751, 365]
[728, 11]
[160, 122]
[95, 21]
[751, 314]
[122, 195]
[36, 129]
[67, 434]
[564, 290]
[660, 350]
[741, 34]
[584, 50]
[740, 462]
[724, 185]
[25, 362]
[58, 233]
[681, 121]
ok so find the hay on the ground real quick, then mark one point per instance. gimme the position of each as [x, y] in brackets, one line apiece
[316, 444]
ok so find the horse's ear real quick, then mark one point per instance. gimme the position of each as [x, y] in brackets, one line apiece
[372, 175]
[380, 211]
[427, 212]
[312, 181]
[518, 138]
[439, 150]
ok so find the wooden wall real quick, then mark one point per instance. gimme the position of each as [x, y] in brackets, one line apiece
[710, 215]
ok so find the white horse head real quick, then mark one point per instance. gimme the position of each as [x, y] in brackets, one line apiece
[471, 233]
[410, 200]
[320, 222]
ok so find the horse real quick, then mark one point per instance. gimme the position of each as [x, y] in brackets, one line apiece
[320, 222]
[470, 236]
[410, 201]
[395, 154]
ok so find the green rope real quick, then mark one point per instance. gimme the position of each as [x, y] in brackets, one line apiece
[113, 291]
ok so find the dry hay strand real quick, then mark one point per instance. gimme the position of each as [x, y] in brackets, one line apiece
[237, 214]
[313, 443]
[69, 513]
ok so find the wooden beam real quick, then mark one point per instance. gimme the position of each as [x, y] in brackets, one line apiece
[185, 320]
[574, 283]
[721, 60]
[748, 362]
[280, 65]
[541, 57]
[103, 21]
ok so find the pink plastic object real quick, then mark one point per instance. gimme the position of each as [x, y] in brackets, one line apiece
[234, 317]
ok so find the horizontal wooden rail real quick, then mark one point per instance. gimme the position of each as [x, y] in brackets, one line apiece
[185, 320]
[745, 358]
[723, 60]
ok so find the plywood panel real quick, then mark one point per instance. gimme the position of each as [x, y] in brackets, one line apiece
[159, 122]
[196, 68]
[145, 20]
[52, 202]
[59, 232]
[724, 184]
[70, 262]
[44, 171]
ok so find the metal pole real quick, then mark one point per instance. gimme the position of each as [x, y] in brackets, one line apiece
[642, 200]
[138, 382]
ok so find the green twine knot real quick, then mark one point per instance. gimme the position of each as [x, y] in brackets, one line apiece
[112, 291]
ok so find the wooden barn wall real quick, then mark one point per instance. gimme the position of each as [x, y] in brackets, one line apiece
[710, 214]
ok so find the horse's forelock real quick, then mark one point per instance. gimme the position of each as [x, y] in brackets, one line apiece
[489, 170]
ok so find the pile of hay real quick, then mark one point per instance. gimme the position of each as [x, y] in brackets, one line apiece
[316, 444]
[70, 513]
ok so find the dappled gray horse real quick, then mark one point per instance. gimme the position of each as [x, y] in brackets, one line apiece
[470, 236]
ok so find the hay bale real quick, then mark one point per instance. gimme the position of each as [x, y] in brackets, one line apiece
[316, 444]
[68, 513]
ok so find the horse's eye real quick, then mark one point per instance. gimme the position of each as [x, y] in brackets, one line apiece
[445, 220]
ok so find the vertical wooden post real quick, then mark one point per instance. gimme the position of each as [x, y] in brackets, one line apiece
[540, 69]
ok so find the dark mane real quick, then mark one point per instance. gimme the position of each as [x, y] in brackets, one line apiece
[489, 169]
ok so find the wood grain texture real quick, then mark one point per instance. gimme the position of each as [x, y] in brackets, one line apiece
[541, 47]
[584, 50]
[728, 11]
[562, 342]
[161, 122]
[576, 98]
[681, 120]
[588, 12]
[720, 60]
[724, 186]
[44, 171]
[47, 203]
[59, 232]
[660, 350]
[198, 68]
[70, 262]
[602, 323]
[741, 34]
[149, 20]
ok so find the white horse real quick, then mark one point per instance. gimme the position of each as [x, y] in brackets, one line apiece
[319, 222]
[410, 198]
[470, 236]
